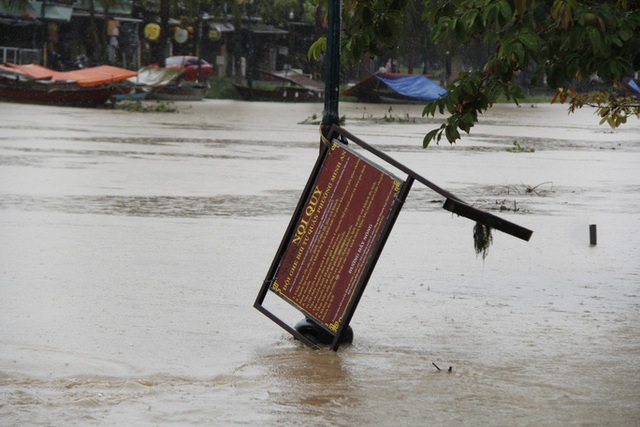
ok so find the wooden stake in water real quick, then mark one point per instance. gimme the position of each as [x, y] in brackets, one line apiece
[593, 235]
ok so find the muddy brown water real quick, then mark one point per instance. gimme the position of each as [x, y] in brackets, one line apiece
[134, 245]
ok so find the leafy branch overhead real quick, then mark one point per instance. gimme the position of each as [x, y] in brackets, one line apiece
[560, 42]
[368, 27]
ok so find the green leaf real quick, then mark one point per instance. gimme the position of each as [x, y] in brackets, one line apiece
[616, 69]
[491, 13]
[616, 41]
[452, 133]
[317, 48]
[469, 18]
[506, 48]
[450, 102]
[429, 137]
[505, 11]
[518, 49]
[529, 39]
[468, 120]
[597, 41]
[439, 31]
[429, 109]
[521, 6]
[625, 33]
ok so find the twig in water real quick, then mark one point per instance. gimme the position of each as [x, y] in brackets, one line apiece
[530, 189]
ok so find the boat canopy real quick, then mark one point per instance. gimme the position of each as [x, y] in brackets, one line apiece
[416, 86]
[156, 76]
[86, 77]
[411, 87]
[31, 71]
[96, 76]
[298, 79]
[634, 86]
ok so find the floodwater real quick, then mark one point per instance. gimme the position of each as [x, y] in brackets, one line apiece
[133, 246]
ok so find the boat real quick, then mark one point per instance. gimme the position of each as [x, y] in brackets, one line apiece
[128, 92]
[63, 94]
[32, 83]
[287, 86]
[166, 84]
[179, 92]
[396, 88]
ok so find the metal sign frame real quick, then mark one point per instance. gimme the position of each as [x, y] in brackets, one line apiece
[354, 293]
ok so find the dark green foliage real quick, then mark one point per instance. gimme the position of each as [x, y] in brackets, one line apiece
[562, 41]
[371, 26]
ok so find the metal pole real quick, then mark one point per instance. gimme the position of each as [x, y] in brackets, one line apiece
[330, 117]
[45, 35]
[332, 68]
[199, 49]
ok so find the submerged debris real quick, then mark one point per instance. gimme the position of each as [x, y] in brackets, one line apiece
[482, 239]
[438, 368]
[140, 107]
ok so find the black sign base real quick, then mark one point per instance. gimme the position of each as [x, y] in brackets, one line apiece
[319, 335]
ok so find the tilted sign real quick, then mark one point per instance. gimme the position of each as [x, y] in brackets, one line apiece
[338, 231]
[335, 237]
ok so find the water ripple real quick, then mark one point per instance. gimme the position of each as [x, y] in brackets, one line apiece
[158, 206]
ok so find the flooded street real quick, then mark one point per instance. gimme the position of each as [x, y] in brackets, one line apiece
[133, 246]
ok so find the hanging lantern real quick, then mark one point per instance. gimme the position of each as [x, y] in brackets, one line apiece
[214, 33]
[181, 35]
[113, 28]
[152, 31]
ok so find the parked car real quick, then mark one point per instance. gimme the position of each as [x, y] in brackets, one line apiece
[190, 66]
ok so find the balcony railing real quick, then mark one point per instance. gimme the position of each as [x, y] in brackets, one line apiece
[17, 55]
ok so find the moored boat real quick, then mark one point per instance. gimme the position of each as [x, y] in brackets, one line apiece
[63, 94]
[166, 84]
[126, 92]
[396, 88]
[177, 92]
[33, 83]
[288, 86]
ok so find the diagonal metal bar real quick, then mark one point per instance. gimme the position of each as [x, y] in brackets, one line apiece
[452, 203]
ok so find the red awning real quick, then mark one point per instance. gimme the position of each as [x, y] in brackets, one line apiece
[95, 76]
[87, 77]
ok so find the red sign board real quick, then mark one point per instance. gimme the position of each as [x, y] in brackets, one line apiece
[336, 235]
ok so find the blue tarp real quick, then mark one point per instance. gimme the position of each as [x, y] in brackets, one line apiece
[415, 86]
[633, 85]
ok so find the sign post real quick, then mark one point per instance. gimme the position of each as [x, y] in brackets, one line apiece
[330, 115]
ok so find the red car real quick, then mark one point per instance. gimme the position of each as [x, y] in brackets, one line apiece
[190, 66]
